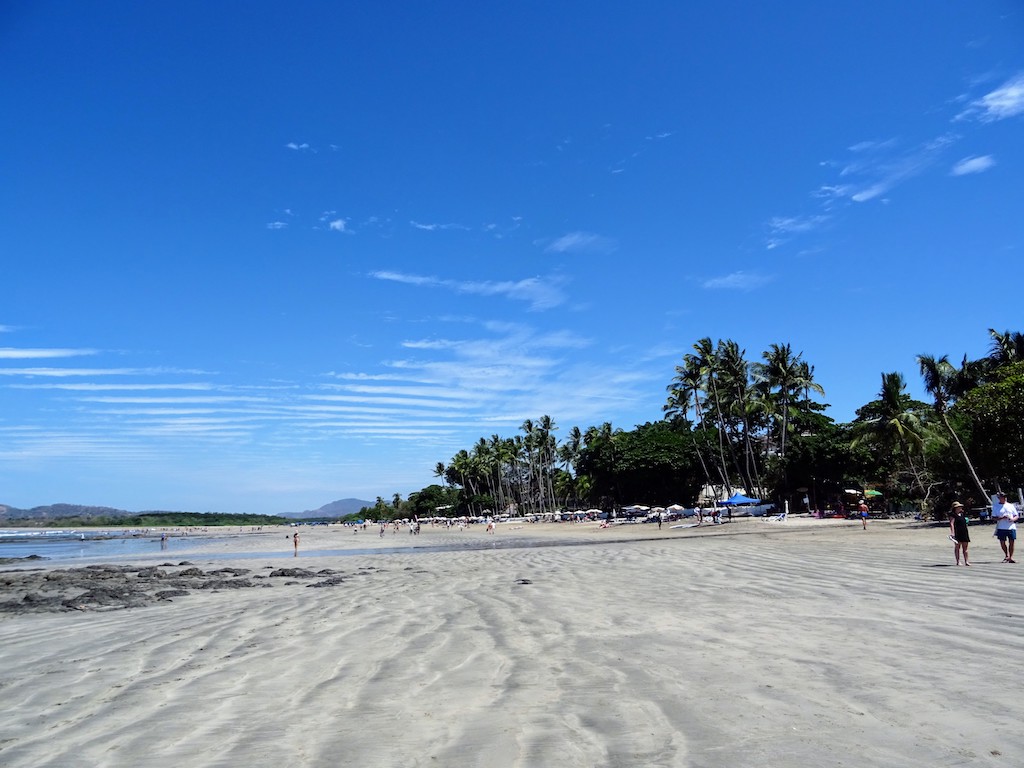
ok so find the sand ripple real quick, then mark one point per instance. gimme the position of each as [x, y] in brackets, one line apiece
[830, 648]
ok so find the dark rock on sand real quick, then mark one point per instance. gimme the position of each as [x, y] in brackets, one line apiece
[167, 594]
[226, 584]
[111, 587]
[330, 581]
[292, 573]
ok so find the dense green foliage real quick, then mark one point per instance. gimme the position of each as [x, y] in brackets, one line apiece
[993, 417]
[732, 424]
[652, 463]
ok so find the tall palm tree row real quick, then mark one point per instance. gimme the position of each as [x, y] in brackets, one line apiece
[740, 407]
[894, 422]
[518, 473]
[743, 418]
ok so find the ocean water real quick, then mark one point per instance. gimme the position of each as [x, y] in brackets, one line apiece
[79, 545]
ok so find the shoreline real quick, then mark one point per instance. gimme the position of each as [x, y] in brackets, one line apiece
[335, 538]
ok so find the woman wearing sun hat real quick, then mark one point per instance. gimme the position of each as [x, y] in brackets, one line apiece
[958, 532]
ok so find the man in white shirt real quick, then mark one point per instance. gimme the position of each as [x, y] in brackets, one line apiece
[1005, 515]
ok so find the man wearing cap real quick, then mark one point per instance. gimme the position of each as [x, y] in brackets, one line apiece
[1005, 515]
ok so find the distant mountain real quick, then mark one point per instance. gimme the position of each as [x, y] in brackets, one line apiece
[338, 508]
[51, 511]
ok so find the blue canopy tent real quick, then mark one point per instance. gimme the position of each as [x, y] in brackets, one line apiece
[738, 498]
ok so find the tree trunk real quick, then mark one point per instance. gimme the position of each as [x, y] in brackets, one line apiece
[967, 461]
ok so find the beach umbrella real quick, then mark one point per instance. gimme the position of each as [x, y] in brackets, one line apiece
[872, 493]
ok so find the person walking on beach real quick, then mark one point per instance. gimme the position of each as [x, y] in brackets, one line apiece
[1005, 515]
[295, 542]
[958, 532]
[862, 508]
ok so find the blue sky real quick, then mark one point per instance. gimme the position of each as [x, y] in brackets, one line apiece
[259, 256]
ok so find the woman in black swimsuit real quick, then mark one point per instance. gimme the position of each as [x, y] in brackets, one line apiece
[958, 532]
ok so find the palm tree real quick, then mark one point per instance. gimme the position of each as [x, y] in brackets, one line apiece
[532, 468]
[684, 390]
[462, 466]
[735, 373]
[941, 382]
[569, 454]
[784, 375]
[704, 360]
[547, 451]
[892, 421]
[1006, 347]
[601, 441]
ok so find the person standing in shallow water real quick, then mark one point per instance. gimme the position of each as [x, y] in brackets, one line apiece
[958, 532]
[295, 543]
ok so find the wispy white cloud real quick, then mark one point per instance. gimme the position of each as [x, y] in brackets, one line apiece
[93, 387]
[338, 225]
[277, 224]
[871, 192]
[61, 372]
[791, 224]
[67, 372]
[833, 191]
[872, 145]
[737, 281]
[783, 228]
[197, 399]
[439, 227]
[888, 172]
[401, 277]
[297, 147]
[581, 242]
[12, 353]
[973, 165]
[437, 393]
[540, 293]
[364, 376]
[500, 230]
[1005, 101]
[877, 167]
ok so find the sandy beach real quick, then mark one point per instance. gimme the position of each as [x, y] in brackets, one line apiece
[803, 643]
